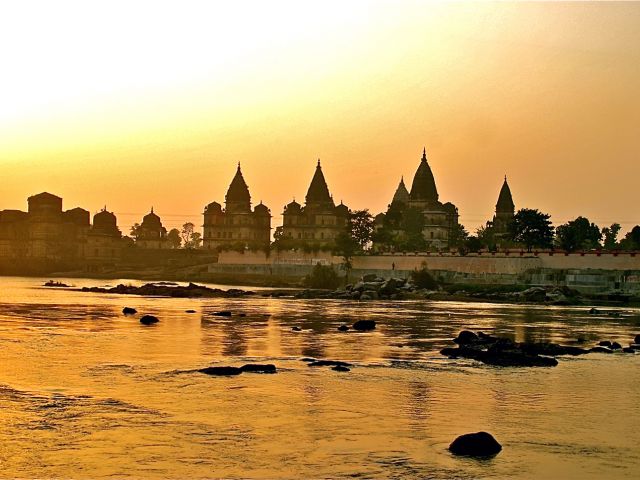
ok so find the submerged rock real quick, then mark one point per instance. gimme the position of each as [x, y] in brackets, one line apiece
[605, 343]
[600, 349]
[222, 313]
[465, 337]
[129, 311]
[364, 325]
[329, 363]
[258, 368]
[296, 329]
[637, 339]
[616, 346]
[148, 319]
[341, 368]
[343, 328]
[480, 444]
[190, 311]
[221, 371]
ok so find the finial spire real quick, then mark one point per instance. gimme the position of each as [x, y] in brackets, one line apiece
[318, 162]
[505, 178]
[424, 153]
[152, 209]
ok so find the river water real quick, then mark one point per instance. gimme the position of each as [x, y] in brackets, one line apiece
[86, 392]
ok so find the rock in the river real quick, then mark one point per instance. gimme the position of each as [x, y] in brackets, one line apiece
[628, 350]
[616, 346]
[259, 368]
[369, 295]
[480, 444]
[190, 311]
[328, 363]
[341, 368]
[465, 337]
[600, 349]
[343, 328]
[129, 311]
[296, 329]
[364, 325]
[221, 371]
[605, 343]
[637, 339]
[369, 277]
[593, 311]
[223, 313]
[148, 320]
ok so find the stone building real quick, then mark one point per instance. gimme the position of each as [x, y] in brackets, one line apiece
[151, 233]
[237, 223]
[505, 211]
[320, 220]
[437, 220]
[104, 241]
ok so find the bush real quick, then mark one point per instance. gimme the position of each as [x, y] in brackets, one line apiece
[423, 279]
[322, 277]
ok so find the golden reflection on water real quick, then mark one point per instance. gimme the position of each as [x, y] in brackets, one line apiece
[87, 392]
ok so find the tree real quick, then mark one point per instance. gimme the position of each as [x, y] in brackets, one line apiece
[174, 238]
[361, 227]
[578, 234]
[458, 236]
[190, 238]
[610, 235]
[532, 228]
[631, 240]
[486, 236]
[346, 246]
[322, 277]
[136, 230]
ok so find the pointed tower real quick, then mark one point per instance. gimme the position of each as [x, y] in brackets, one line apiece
[318, 193]
[402, 194]
[238, 199]
[423, 188]
[505, 209]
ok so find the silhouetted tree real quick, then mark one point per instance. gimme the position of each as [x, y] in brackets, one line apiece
[532, 228]
[361, 227]
[174, 238]
[135, 231]
[486, 238]
[578, 234]
[610, 235]
[346, 247]
[631, 240]
[190, 238]
[473, 244]
[458, 236]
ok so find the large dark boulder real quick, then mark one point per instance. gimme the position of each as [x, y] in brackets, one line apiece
[148, 320]
[466, 337]
[364, 325]
[480, 444]
[259, 368]
[129, 311]
[605, 343]
[616, 346]
[221, 371]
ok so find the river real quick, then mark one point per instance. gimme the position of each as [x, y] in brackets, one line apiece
[86, 392]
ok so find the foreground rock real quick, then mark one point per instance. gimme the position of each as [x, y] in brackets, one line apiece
[225, 371]
[503, 352]
[480, 444]
[148, 320]
[169, 290]
[129, 311]
[364, 325]
[53, 283]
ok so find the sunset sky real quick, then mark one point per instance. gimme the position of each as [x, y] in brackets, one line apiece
[134, 104]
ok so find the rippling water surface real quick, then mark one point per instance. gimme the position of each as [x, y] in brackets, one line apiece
[88, 392]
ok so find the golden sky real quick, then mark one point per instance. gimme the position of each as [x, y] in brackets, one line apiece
[134, 104]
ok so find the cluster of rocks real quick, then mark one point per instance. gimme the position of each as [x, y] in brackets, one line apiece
[335, 365]
[53, 283]
[224, 371]
[163, 289]
[145, 319]
[501, 351]
[370, 287]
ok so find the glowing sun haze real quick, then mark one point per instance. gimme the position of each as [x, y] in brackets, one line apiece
[133, 104]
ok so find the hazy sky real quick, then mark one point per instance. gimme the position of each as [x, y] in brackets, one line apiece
[134, 104]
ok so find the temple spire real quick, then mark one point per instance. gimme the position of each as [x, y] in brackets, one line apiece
[424, 153]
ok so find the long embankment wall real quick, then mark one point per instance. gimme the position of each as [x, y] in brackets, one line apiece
[589, 271]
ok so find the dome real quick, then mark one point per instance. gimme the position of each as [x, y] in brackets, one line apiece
[342, 210]
[213, 207]
[104, 219]
[151, 220]
[424, 185]
[261, 209]
[293, 207]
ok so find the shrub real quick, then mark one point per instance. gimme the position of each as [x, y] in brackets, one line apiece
[322, 277]
[423, 279]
